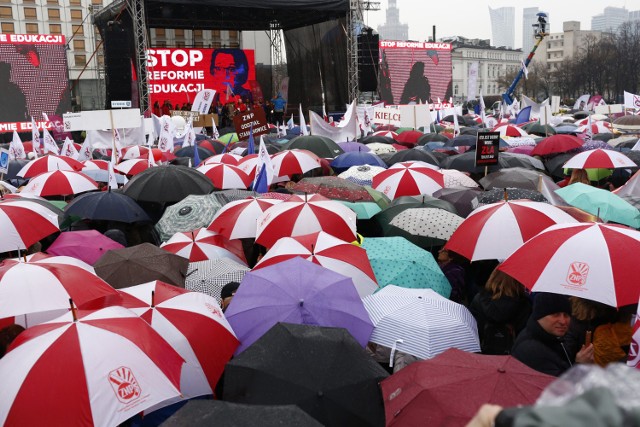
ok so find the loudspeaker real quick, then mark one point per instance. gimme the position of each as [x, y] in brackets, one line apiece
[368, 59]
[118, 53]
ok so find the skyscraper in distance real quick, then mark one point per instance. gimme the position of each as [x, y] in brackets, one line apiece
[528, 19]
[503, 29]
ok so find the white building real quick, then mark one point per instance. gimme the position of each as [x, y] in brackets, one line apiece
[392, 29]
[557, 47]
[610, 19]
[503, 30]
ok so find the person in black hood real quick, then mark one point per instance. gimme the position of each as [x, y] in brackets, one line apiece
[541, 344]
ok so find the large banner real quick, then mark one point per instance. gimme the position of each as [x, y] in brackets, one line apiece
[177, 75]
[414, 72]
[34, 80]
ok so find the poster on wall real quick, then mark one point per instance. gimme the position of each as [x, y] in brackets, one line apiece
[414, 72]
[34, 81]
[177, 75]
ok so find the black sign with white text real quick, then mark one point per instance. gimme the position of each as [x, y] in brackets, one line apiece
[487, 148]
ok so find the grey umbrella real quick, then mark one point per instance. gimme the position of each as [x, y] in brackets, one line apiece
[189, 214]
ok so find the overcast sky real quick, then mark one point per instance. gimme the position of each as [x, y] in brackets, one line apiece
[470, 18]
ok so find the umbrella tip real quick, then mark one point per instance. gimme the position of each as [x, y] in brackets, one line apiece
[301, 302]
[153, 297]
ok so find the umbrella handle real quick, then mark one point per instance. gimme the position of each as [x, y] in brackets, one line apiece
[393, 351]
[73, 310]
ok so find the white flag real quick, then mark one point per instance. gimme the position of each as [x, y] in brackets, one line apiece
[588, 135]
[35, 139]
[214, 129]
[16, 149]
[482, 110]
[49, 143]
[117, 144]
[189, 134]
[264, 169]
[303, 124]
[68, 149]
[86, 151]
[113, 182]
[165, 141]
[290, 123]
[631, 100]
[202, 101]
[456, 126]
[524, 69]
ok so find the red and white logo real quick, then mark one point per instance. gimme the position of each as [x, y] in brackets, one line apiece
[124, 384]
[578, 272]
[214, 310]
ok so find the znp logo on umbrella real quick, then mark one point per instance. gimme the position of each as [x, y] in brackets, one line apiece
[124, 384]
[578, 272]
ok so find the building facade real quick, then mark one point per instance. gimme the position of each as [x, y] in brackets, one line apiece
[503, 30]
[557, 47]
[609, 20]
[392, 29]
[493, 63]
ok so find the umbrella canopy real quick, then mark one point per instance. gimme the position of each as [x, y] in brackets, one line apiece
[599, 158]
[432, 137]
[106, 206]
[107, 366]
[356, 158]
[239, 219]
[408, 138]
[167, 184]
[333, 187]
[362, 175]
[420, 322]
[86, 245]
[140, 264]
[191, 213]
[466, 162]
[134, 151]
[603, 203]
[494, 231]
[380, 148]
[462, 141]
[423, 201]
[193, 324]
[517, 178]
[414, 154]
[49, 163]
[47, 285]
[352, 146]
[132, 167]
[509, 130]
[210, 276]
[381, 139]
[329, 252]
[226, 414]
[226, 158]
[95, 165]
[296, 364]
[464, 199]
[321, 146]
[431, 389]
[496, 195]
[293, 162]
[202, 245]
[417, 222]
[397, 261]
[588, 260]
[297, 216]
[535, 128]
[60, 183]
[408, 179]
[455, 178]
[296, 291]
[189, 151]
[224, 176]
[556, 144]
[24, 222]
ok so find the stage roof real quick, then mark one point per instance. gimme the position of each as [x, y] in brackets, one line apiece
[242, 15]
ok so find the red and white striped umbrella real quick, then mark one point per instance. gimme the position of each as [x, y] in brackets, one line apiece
[248, 164]
[593, 261]
[203, 245]
[298, 216]
[132, 166]
[101, 370]
[23, 222]
[39, 286]
[408, 179]
[509, 130]
[224, 176]
[60, 183]
[292, 162]
[95, 165]
[494, 231]
[226, 158]
[387, 133]
[134, 152]
[194, 325]
[49, 163]
[330, 252]
[239, 219]
[596, 127]
[599, 158]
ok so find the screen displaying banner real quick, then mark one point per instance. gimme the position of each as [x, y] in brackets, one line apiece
[177, 75]
[34, 80]
[414, 72]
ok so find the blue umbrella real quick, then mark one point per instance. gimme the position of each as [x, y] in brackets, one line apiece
[397, 261]
[356, 158]
[106, 206]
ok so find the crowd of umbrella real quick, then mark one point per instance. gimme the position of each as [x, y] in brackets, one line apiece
[114, 331]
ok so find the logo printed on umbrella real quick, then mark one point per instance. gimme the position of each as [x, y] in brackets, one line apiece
[124, 384]
[214, 310]
[578, 272]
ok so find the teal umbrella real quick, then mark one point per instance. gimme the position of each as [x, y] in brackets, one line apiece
[363, 210]
[397, 261]
[606, 205]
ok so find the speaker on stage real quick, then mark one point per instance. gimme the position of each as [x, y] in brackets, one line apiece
[368, 56]
[118, 53]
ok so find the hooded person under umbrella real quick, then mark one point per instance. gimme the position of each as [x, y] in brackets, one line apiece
[417, 88]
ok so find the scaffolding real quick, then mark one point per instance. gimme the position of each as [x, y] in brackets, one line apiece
[136, 9]
[279, 70]
[355, 22]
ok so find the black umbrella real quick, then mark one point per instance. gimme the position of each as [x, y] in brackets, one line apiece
[422, 201]
[142, 263]
[466, 162]
[204, 413]
[535, 128]
[167, 184]
[469, 131]
[431, 137]
[319, 145]
[324, 371]
[603, 136]
[14, 168]
[462, 120]
[580, 115]
[413, 154]
[106, 206]
[377, 138]
[517, 178]
[555, 165]
[497, 195]
[203, 153]
[271, 149]
[462, 141]
[464, 199]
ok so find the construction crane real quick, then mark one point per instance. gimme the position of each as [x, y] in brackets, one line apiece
[540, 32]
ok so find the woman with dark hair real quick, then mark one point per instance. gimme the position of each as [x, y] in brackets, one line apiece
[417, 88]
[230, 69]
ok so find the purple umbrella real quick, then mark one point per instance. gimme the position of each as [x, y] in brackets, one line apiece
[353, 146]
[85, 245]
[296, 291]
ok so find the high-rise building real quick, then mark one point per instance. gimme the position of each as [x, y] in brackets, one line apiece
[392, 29]
[634, 15]
[610, 20]
[529, 18]
[503, 30]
